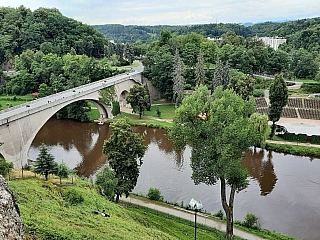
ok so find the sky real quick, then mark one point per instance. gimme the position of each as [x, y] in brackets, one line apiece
[176, 12]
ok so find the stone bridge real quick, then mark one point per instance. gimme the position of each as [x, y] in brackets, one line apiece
[20, 124]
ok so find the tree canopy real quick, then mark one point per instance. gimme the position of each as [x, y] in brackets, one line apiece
[219, 130]
[124, 150]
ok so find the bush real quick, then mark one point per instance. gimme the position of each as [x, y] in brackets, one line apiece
[73, 197]
[5, 167]
[219, 214]
[258, 92]
[154, 194]
[311, 87]
[115, 108]
[315, 139]
[250, 220]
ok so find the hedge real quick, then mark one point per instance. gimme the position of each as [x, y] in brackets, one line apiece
[311, 87]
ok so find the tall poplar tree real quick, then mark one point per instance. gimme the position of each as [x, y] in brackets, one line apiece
[178, 79]
[200, 74]
[221, 75]
[125, 150]
[278, 96]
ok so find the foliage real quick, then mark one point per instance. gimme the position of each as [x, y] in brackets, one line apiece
[148, 107]
[259, 124]
[154, 194]
[219, 214]
[258, 93]
[74, 110]
[178, 79]
[138, 98]
[5, 167]
[294, 149]
[221, 75]
[115, 108]
[216, 157]
[292, 137]
[107, 181]
[46, 29]
[63, 170]
[107, 95]
[250, 220]
[123, 149]
[278, 95]
[311, 87]
[242, 85]
[158, 111]
[73, 197]
[200, 74]
[45, 163]
[315, 139]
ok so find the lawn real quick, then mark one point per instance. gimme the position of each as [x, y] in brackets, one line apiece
[167, 111]
[11, 100]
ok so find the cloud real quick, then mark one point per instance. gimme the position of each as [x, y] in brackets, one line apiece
[153, 12]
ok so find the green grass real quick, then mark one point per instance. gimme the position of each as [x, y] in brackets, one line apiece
[135, 120]
[7, 101]
[93, 114]
[306, 80]
[46, 215]
[167, 111]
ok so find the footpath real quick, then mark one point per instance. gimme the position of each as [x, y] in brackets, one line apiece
[189, 215]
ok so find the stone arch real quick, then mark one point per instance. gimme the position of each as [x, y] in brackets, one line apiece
[122, 98]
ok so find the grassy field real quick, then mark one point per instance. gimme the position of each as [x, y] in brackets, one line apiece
[11, 100]
[167, 111]
[48, 214]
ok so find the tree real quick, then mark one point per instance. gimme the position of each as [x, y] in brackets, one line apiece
[243, 85]
[259, 124]
[178, 79]
[45, 163]
[63, 170]
[278, 96]
[128, 52]
[124, 149]
[107, 95]
[200, 74]
[148, 107]
[115, 108]
[219, 131]
[107, 181]
[221, 75]
[5, 167]
[138, 99]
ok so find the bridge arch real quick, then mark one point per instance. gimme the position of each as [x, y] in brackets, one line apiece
[19, 125]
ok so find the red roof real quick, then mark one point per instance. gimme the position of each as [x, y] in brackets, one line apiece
[35, 94]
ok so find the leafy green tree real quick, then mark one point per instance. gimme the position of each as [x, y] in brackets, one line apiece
[243, 85]
[115, 108]
[178, 79]
[278, 96]
[44, 90]
[5, 167]
[221, 75]
[124, 149]
[219, 131]
[259, 124]
[45, 163]
[138, 99]
[200, 74]
[148, 107]
[107, 180]
[107, 95]
[63, 170]
[128, 52]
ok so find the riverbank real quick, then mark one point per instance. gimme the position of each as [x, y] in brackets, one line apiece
[49, 211]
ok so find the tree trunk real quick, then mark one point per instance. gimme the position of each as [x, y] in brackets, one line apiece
[273, 129]
[228, 208]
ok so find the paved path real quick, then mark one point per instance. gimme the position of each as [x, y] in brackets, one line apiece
[189, 215]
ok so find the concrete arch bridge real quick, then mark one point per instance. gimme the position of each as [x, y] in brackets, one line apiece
[20, 124]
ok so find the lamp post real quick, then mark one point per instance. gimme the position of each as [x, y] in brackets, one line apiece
[196, 206]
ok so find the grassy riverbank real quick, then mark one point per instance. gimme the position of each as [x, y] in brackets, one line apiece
[51, 212]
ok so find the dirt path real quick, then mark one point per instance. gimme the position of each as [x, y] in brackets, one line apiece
[189, 215]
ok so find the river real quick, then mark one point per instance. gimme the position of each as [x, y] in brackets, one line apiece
[284, 190]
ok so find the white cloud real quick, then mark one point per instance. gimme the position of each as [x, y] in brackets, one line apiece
[154, 12]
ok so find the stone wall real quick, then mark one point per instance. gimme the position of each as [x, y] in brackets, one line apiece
[11, 227]
[154, 92]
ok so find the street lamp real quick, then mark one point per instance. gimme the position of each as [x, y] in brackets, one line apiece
[196, 206]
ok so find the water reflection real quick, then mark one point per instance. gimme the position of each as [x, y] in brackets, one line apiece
[260, 169]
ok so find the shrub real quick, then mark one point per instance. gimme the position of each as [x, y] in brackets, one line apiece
[115, 108]
[315, 139]
[73, 197]
[250, 220]
[219, 214]
[311, 87]
[154, 194]
[258, 92]
[5, 167]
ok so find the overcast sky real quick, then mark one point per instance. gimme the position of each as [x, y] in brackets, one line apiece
[176, 12]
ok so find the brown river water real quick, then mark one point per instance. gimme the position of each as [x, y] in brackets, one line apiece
[284, 190]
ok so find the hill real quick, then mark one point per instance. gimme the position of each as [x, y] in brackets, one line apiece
[47, 30]
[51, 212]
